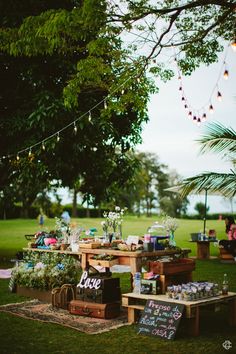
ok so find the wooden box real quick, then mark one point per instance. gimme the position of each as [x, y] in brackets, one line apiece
[42, 295]
[225, 256]
[90, 245]
[103, 263]
[91, 309]
[182, 265]
[99, 296]
[152, 286]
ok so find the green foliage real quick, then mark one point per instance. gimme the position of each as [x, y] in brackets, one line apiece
[60, 60]
[70, 64]
[46, 271]
[218, 139]
[201, 210]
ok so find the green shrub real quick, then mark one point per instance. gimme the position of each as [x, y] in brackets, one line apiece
[46, 271]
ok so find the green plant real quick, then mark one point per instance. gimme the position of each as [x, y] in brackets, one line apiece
[46, 271]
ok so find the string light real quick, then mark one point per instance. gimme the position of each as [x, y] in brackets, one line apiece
[199, 121]
[204, 117]
[122, 91]
[226, 72]
[17, 157]
[215, 92]
[57, 134]
[43, 146]
[211, 109]
[219, 96]
[105, 104]
[233, 45]
[75, 128]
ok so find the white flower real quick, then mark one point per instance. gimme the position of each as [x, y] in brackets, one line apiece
[170, 223]
[113, 219]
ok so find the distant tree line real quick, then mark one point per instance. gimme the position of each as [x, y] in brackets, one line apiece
[144, 193]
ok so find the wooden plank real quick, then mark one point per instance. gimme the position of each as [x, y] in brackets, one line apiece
[103, 263]
[232, 312]
[137, 307]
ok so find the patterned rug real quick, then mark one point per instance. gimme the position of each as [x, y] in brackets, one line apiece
[39, 311]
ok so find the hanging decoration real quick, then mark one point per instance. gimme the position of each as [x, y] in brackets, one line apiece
[199, 115]
[73, 124]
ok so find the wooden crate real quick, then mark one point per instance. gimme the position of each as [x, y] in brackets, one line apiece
[42, 295]
[182, 265]
[103, 263]
[90, 245]
[225, 256]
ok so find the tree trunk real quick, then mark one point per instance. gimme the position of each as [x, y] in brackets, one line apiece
[74, 205]
[87, 210]
[25, 211]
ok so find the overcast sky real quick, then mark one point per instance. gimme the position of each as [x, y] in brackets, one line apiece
[172, 136]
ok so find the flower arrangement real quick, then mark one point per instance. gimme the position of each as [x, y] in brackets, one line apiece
[46, 271]
[113, 221]
[170, 224]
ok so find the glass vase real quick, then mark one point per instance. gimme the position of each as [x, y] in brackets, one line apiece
[172, 239]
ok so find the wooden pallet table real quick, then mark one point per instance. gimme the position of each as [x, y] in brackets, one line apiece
[136, 303]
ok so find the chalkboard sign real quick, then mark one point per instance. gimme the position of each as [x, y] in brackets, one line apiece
[160, 319]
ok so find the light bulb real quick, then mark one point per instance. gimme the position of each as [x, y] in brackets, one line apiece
[185, 106]
[194, 119]
[30, 152]
[43, 146]
[90, 117]
[179, 78]
[204, 117]
[58, 137]
[138, 80]
[233, 45]
[219, 96]
[75, 128]
[211, 109]
[105, 104]
[17, 157]
[226, 74]
[183, 98]
[199, 121]
[122, 91]
[189, 114]
[180, 88]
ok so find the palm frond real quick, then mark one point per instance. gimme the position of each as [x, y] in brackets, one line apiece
[216, 183]
[220, 139]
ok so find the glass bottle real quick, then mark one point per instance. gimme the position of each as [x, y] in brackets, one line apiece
[225, 285]
[137, 283]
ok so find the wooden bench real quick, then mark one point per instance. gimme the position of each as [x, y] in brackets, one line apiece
[136, 303]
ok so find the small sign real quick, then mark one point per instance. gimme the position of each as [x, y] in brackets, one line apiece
[132, 239]
[160, 319]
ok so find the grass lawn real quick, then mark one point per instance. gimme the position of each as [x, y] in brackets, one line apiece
[12, 231]
[22, 336]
